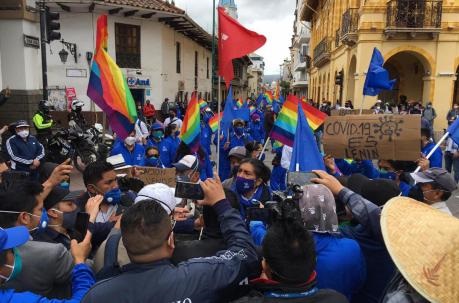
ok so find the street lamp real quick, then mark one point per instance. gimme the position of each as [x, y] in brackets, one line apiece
[63, 54]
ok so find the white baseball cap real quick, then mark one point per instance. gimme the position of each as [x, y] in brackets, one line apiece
[159, 192]
[186, 163]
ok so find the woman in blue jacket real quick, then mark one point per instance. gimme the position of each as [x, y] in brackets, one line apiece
[171, 143]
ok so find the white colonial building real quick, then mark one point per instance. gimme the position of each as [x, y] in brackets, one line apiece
[161, 50]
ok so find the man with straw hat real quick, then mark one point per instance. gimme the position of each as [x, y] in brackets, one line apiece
[427, 273]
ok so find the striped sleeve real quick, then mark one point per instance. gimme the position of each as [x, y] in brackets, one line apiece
[10, 148]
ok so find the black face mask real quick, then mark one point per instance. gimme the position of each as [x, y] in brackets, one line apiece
[416, 193]
[172, 116]
[69, 219]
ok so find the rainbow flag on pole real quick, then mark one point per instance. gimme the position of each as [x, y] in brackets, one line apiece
[213, 122]
[239, 103]
[108, 87]
[285, 126]
[202, 104]
[191, 128]
[269, 97]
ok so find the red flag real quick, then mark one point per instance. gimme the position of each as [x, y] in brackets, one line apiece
[234, 41]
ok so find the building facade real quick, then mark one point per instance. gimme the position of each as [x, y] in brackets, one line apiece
[299, 54]
[256, 72]
[162, 52]
[419, 40]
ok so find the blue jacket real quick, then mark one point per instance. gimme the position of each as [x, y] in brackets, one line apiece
[380, 267]
[206, 138]
[278, 179]
[196, 280]
[340, 263]
[436, 160]
[82, 280]
[22, 153]
[168, 150]
[136, 157]
[206, 171]
[224, 163]
[257, 131]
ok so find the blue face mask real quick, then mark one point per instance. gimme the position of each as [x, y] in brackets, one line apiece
[16, 267]
[384, 174]
[113, 196]
[244, 185]
[152, 162]
[157, 134]
[65, 185]
[239, 130]
[177, 133]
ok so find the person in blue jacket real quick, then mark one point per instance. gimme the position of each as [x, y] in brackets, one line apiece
[133, 153]
[278, 181]
[171, 143]
[340, 263]
[256, 128]
[427, 144]
[152, 158]
[206, 131]
[24, 150]
[11, 266]
[236, 138]
[156, 136]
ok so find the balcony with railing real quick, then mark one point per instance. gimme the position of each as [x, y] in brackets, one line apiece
[337, 37]
[414, 16]
[349, 26]
[322, 52]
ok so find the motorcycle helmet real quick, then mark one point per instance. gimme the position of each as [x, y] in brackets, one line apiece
[77, 105]
[43, 106]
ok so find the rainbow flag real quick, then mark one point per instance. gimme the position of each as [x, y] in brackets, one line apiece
[269, 97]
[213, 122]
[277, 144]
[239, 103]
[252, 109]
[202, 104]
[285, 126]
[108, 87]
[191, 127]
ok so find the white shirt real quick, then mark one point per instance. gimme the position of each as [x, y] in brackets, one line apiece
[286, 156]
[177, 122]
[441, 206]
[141, 130]
[105, 217]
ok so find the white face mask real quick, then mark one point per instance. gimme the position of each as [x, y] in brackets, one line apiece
[23, 134]
[130, 141]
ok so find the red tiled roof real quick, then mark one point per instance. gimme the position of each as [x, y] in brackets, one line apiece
[158, 5]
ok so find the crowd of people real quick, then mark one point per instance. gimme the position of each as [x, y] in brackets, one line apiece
[253, 237]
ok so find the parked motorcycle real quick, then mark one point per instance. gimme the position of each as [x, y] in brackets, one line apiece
[103, 142]
[71, 143]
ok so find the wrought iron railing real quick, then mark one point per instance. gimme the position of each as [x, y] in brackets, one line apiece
[412, 14]
[322, 51]
[350, 22]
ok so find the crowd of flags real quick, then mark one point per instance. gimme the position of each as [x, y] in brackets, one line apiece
[296, 120]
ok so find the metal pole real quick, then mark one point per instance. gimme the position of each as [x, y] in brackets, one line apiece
[213, 55]
[44, 72]
[361, 105]
[219, 124]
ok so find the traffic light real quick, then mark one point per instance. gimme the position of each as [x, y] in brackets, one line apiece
[339, 78]
[52, 25]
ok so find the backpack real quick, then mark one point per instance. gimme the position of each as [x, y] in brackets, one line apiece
[111, 266]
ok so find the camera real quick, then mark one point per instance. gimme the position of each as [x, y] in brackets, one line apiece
[274, 211]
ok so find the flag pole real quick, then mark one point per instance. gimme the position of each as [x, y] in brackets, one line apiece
[445, 136]
[361, 105]
[264, 148]
[219, 123]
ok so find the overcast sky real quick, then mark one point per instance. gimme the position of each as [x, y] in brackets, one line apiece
[272, 18]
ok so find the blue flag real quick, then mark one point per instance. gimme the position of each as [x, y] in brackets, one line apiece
[228, 113]
[453, 131]
[243, 113]
[305, 155]
[259, 100]
[377, 76]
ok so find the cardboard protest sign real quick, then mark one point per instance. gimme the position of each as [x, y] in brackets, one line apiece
[345, 112]
[366, 137]
[152, 175]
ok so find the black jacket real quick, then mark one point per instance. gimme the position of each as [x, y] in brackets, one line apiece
[268, 292]
[197, 280]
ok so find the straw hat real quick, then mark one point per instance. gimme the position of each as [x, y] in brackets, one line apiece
[424, 244]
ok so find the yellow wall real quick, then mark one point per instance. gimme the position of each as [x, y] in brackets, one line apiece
[432, 63]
